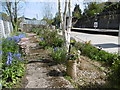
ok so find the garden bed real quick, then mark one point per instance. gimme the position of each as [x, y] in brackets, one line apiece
[13, 67]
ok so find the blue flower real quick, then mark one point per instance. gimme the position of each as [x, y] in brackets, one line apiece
[9, 58]
[9, 53]
[16, 38]
[17, 55]
[41, 38]
[55, 49]
[9, 38]
[22, 36]
[0, 52]
[0, 42]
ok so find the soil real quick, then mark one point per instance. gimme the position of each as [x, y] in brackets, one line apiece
[42, 72]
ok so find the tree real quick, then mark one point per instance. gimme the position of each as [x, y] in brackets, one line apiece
[66, 29]
[111, 7]
[5, 17]
[60, 14]
[47, 15]
[34, 19]
[69, 23]
[56, 20]
[11, 9]
[48, 21]
[64, 24]
[91, 9]
[77, 12]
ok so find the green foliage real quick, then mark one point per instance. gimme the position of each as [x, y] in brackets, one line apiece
[115, 74]
[11, 74]
[5, 17]
[110, 59]
[73, 54]
[48, 20]
[111, 6]
[12, 65]
[92, 8]
[59, 55]
[95, 54]
[42, 43]
[51, 38]
[9, 46]
[56, 20]
[37, 30]
[77, 12]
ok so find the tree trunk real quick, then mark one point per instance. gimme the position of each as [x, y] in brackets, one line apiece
[64, 23]
[15, 16]
[69, 23]
[11, 8]
[60, 14]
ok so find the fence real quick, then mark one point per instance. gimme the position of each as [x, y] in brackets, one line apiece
[104, 22]
[5, 28]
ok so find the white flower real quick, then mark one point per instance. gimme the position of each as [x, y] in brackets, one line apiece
[79, 52]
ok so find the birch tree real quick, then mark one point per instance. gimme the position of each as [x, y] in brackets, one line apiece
[69, 23]
[66, 29]
[64, 23]
[60, 14]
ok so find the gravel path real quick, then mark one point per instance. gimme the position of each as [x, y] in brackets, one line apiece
[41, 73]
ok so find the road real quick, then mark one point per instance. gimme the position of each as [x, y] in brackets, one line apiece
[107, 42]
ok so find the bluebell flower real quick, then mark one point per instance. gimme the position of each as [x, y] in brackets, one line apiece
[55, 49]
[0, 42]
[9, 38]
[16, 38]
[17, 55]
[22, 36]
[9, 58]
[0, 52]
[9, 53]
[41, 38]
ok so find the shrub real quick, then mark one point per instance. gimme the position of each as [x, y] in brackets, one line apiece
[95, 54]
[59, 55]
[51, 38]
[73, 54]
[37, 30]
[115, 73]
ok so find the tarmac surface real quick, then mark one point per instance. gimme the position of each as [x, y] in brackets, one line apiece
[107, 42]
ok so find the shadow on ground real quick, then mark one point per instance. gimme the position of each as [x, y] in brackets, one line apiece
[107, 45]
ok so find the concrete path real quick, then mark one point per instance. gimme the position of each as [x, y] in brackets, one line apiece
[108, 43]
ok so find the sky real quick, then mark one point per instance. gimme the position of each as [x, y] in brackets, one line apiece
[39, 9]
